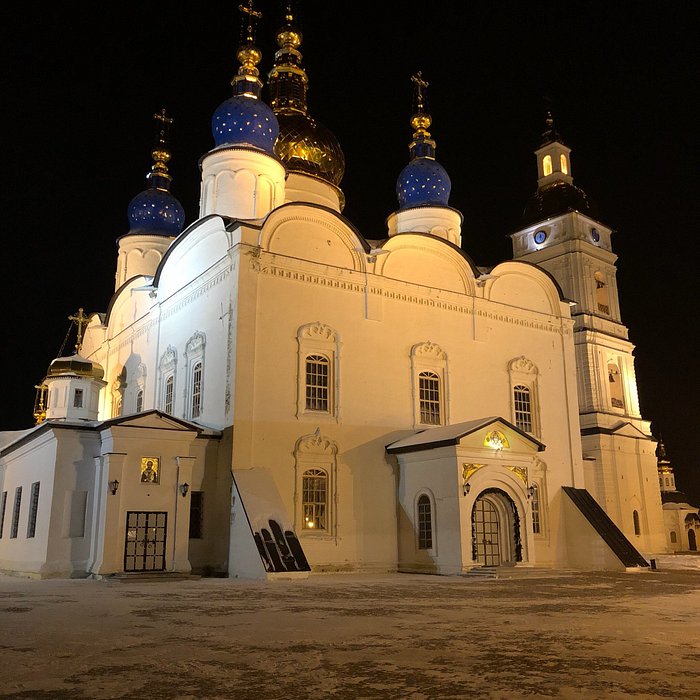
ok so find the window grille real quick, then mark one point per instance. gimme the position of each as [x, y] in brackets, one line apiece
[197, 390]
[15, 512]
[314, 499]
[523, 408]
[535, 509]
[317, 383]
[78, 398]
[33, 510]
[139, 401]
[425, 523]
[169, 392]
[429, 398]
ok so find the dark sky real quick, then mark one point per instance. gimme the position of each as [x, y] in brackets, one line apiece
[81, 86]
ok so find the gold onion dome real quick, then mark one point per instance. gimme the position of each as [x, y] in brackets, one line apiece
[304, 145]
[75, 365]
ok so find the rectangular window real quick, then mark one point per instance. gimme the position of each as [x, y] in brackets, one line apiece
[169, 393]
[78, 398]
[429, 398]
[3, 507]
[15, 512]
[314, 499]
[317, 384]
[33, 510]
[523, 408]
[196, 515]
[197, 390]
[535, 507]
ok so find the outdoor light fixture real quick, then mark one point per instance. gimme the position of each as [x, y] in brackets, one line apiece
[184, 488]
[466, 488]
[530, 491]
[113, 486]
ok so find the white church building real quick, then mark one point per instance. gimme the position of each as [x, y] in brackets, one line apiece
[268, 393]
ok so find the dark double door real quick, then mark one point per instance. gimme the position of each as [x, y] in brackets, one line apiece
[144, 549]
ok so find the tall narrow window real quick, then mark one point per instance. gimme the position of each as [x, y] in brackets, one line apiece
[635, 519]
[196, 515]
[674, 538]
[614, 379]
[547, 165]
[429, 398]
[33, 510]
[535, 509]
[3, 507]
[425, 523]
[563, 164]
[117, 408]
[314, 499]
[523, 407]
[15, 512]
[169, 393]
[197, 390]
[78, 398]
[601, 293]
[317, 385]
[139, 401]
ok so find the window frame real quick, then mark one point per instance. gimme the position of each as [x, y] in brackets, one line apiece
[524, 373]
[318, 506]
[318, 339]
[536, 509]
[3, 508]
[167, 370]
[429, 358]
[196, 526]
[33, 510]
[522, 407]
[194, 353]
[421, 498]
[16, 512]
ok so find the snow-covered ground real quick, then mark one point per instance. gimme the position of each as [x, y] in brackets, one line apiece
[525, 634]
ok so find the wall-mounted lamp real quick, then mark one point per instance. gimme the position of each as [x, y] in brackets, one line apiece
[113, 486]
[530, 491]
[466, 488]
[184, 488]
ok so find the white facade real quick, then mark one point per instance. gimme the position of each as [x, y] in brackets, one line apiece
[386, 401]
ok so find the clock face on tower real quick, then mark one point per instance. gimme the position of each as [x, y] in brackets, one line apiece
[540, 237]
[595, 235]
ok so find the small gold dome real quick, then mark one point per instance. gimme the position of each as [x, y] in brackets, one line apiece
[305, 146]
[287, 37]
[75, 365]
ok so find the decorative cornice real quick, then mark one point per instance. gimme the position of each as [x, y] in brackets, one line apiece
[316, 444]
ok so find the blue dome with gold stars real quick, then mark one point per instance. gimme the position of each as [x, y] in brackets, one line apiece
[423, 182]
[156, 211]
[245, 121]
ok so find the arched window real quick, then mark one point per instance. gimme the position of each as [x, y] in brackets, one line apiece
[547, 165]
[117, 406]
[429, 398]
[317, 383]
[635, 519]
[314, 504]
[535, 508]
[196, 390]
[563, 164]
[425, 523]
[674, 537]
[523, 407]
[614, 379]
[139, 401]
[169, 394]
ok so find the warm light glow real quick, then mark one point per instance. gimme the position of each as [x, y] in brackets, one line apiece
[496, 440]
[310, 524]
[547, 165]
[564, 164]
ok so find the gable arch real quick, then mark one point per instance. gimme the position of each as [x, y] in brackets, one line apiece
[525, 286]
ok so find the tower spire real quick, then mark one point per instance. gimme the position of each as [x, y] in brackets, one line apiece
[246, 81]
[287, 79]
[422, 146]
[159, 176]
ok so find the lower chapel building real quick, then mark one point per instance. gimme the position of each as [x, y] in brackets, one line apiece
[268, 391]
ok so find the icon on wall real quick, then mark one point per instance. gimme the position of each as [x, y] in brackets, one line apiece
[150, 470]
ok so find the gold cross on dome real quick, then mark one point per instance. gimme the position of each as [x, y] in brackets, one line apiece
[253, 16]
[420, 85]
[81, 320]
[165, 121]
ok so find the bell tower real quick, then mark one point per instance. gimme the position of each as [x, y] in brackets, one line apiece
[562, 234]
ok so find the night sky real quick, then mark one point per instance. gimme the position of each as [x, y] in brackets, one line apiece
[81, 88]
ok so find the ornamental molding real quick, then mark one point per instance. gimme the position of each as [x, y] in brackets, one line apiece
[195, 345]
[428, 350]
[317, 331]
[520, 472]
[469, 468]
[168, 359]
[539, 466]
[523, 365]
[316, 444]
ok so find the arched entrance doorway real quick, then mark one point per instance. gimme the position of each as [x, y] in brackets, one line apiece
[692, 542]
[495, 529]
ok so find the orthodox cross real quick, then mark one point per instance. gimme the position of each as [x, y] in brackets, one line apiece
[253, 16]
[80, 320]
[165, 121]
[420, 85]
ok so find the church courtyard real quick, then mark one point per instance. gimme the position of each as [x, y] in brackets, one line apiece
[525, 634]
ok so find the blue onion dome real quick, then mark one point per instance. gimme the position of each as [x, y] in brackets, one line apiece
[244, 119]
[156, 210]
[423, 182]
